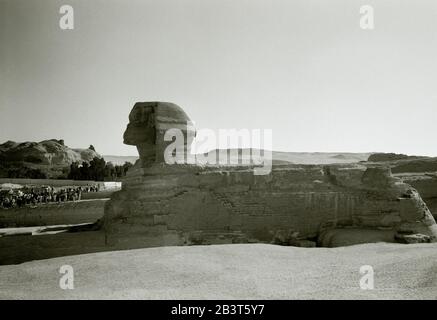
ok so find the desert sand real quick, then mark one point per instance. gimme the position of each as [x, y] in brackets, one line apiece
[236, 271]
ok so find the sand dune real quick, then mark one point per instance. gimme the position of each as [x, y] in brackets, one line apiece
[256, 271]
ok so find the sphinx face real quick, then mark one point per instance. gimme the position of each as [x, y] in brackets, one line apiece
[141, 132]
[148, 123]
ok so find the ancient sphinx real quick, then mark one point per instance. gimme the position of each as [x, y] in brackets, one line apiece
[327, 205]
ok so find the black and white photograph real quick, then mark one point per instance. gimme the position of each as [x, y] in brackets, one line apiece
[218, 150]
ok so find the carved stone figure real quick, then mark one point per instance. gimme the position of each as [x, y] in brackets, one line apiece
[338, 204]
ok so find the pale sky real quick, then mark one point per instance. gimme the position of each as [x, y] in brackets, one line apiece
[302, 68]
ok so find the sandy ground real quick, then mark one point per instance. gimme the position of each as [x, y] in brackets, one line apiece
[255, 271]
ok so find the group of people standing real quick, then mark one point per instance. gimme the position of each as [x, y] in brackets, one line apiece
[16, 198]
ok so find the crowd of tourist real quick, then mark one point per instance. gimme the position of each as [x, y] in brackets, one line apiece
[16, 198]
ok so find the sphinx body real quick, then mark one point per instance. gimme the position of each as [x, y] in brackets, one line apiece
[181, 204]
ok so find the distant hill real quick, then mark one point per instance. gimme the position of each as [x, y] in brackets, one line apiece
[51, 157]
[279, 157]
[282, 157]
[320, 157]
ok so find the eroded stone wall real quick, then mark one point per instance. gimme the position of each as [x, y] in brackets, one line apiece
[198, 205]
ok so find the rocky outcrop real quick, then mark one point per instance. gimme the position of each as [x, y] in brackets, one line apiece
[383, 157]
[49, 156]
[179, 204]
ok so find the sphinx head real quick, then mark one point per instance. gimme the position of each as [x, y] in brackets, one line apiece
[148, 122]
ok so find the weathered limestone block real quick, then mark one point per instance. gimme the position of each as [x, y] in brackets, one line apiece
[162, 204]
[426, 184]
